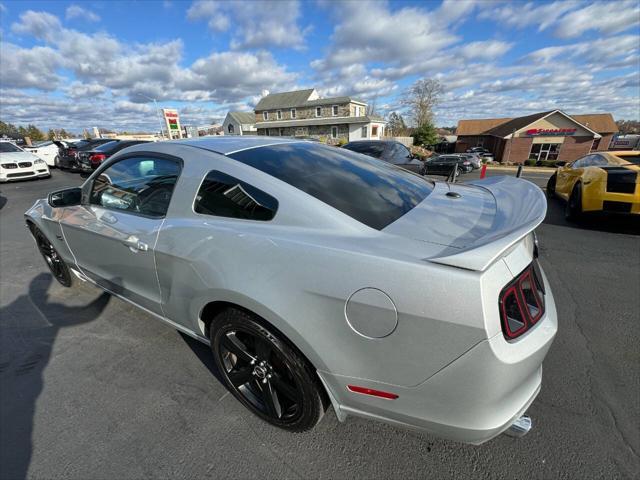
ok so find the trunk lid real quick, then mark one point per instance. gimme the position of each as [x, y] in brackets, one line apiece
[475, 223]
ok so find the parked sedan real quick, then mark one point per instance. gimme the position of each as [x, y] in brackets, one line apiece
[68, 158]
[388, 150]
[47, 151]
[445, 164]
[322, 277]
[89, 160]
[18, 164]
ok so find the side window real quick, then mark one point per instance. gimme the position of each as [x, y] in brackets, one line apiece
[225, 196]
[138, 185]
[579, 163]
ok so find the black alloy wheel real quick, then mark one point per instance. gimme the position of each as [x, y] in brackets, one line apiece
[551, 185]
[573, 209]
[264, 373]
[56, 264]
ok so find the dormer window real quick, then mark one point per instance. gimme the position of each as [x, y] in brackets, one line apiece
[293, 113]
[265, 115]
[279, 114]
[318, 111]
[334, 110]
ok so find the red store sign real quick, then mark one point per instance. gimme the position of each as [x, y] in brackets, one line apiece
[551, 131]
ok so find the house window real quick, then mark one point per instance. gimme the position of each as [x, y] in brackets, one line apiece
[293, 113]
[595, 144]
[281, 132]
[357, 111]
[265, 115]
[374, 130]
[363, 133]
[334, 110]
[318, 111]
[230, 128]
[334, 132]
[279, 114]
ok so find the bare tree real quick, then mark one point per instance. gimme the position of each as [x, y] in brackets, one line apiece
[371, 106]
[421, 98]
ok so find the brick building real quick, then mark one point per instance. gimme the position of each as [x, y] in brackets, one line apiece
[550, 135]
[303, 113]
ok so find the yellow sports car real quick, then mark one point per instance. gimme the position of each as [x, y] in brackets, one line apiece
[599, 182]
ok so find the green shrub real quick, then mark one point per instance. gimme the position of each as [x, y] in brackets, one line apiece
[549, 163]
[530, 163]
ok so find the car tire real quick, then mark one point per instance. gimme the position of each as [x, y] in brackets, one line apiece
[56, 264]
[264, 372]
[56, 162]
[551, 185]
[573, 208]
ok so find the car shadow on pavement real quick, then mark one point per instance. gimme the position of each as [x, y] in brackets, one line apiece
[204, 354]
[28, 330]
[625, 224]
[3, 201]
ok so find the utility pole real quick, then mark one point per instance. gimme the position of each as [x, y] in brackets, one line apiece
[513, 134]
[157, 113]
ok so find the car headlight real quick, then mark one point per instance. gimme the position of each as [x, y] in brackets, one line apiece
[38, 161]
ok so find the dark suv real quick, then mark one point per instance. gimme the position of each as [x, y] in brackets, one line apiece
[444, 164]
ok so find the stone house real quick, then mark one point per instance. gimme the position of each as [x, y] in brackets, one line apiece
[303, 113]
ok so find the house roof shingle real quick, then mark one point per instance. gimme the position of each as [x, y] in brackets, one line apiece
[244, 118]
[284, 99]
[299, 98]
[501, 127]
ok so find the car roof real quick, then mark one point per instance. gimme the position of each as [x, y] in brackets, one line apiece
[228, 145]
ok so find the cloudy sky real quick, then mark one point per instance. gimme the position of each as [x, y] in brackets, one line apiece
[85, 63]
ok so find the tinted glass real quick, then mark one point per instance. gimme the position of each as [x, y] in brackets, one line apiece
[400, 153]
[372, 149]
[371, 191]
[225, 196]
[105, 147]
[633, 158]
[6, 147]
[137, 185]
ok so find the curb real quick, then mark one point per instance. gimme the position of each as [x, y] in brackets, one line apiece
[525, 169]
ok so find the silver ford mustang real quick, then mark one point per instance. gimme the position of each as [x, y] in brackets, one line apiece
[321, 277]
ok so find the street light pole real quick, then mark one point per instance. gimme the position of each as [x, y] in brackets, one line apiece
[157, 112]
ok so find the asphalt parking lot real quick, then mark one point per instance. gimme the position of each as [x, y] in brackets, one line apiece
[91, 388]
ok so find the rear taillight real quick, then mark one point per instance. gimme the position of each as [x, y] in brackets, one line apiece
[522, 302]
[97, 158]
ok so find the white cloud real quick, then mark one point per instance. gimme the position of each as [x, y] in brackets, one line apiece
[605, 17]
[256, 24]
[485, 50]
[29, 67]
[76, 11]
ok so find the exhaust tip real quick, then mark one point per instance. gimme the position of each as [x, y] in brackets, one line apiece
[520, 427]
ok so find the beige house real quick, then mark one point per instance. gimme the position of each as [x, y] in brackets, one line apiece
[239, 123]
[303, 113]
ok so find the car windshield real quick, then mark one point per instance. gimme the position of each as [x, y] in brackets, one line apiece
[105, 147]
[372, 149]
[6, 147]
[371, 191]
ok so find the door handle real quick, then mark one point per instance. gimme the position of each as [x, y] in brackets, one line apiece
[135, 245]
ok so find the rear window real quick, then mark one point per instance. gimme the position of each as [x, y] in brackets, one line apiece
[372, 149]
[105, 147]
[371, 191]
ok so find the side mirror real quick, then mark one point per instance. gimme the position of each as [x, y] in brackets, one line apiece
[65, 198]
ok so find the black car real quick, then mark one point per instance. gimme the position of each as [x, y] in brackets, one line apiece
[68, 153]
[387, 150]
[444, 164]
[91, 159]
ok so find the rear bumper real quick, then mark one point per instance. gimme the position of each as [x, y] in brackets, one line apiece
[473, 399]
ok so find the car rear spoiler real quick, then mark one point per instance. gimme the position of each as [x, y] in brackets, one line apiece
[520, 207]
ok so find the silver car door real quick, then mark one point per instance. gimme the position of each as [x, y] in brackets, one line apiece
[113, 233]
